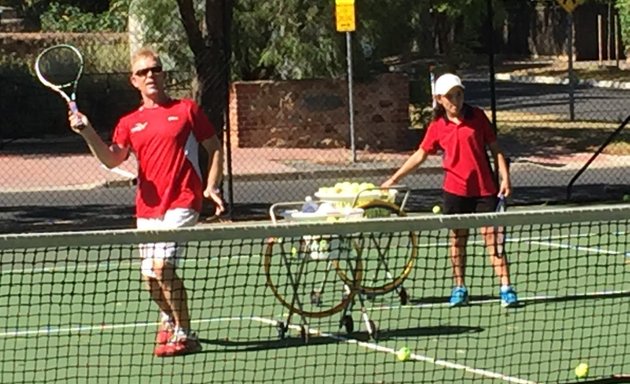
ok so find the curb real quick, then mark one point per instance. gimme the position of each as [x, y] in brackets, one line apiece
[329, 173]
[562, 81]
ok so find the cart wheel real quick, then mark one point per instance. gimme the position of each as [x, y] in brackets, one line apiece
[404, 297]
[373, 331]
[345, 292]
[347, 323]
[309, 287]
[388, 258]
[316, 298]
[370, 296]
[282, 330]
[303, 334]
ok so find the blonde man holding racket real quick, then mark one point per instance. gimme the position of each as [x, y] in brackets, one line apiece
[164, 135]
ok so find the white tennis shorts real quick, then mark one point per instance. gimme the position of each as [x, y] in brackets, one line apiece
[167, 251]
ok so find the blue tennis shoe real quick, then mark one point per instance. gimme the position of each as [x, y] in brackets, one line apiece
[508, 297]
[459, 296]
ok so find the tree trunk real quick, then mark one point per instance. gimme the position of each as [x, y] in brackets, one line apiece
[210, 47]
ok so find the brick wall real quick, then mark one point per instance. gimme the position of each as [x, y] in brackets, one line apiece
[314, 114]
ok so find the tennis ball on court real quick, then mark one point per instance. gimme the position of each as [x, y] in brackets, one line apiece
[403, 354]
[437, 209]
[294, 251]
[581, 371]
[626, 197]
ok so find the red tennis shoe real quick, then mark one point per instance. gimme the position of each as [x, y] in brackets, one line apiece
[165, 331]
[178, 347]
[163, 336]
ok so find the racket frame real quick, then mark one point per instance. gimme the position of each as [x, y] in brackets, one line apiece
[59, 88]
[499, 231]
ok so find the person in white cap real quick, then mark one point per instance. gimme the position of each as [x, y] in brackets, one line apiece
[463, 133]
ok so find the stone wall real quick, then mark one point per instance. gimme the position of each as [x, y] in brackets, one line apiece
[314, 114]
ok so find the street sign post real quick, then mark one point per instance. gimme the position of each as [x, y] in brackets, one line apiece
[569, 5]
[344, 12]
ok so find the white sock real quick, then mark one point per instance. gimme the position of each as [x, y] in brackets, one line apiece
[165, 318]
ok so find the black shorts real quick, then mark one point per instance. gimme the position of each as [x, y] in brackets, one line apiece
[454, 204]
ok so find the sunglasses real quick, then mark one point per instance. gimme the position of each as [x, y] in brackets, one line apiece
[145, 71]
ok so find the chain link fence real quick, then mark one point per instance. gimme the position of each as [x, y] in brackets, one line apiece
[283, 100]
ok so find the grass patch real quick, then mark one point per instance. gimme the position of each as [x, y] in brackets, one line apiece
[552, 134]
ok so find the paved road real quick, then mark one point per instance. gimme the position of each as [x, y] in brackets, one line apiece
[590, 103]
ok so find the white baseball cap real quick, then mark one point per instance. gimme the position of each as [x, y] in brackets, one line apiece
[447, 82]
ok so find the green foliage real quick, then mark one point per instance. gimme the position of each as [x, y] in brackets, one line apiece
[623, 7]
[300, 44]
[156, 24]
[393, 27]
[63, 17]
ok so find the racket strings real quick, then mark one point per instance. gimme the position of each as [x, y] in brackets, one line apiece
[60, 66]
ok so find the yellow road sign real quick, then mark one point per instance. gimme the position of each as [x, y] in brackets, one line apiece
[569, 5]
[344, 12]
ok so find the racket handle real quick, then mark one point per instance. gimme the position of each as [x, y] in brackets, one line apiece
[73, 107]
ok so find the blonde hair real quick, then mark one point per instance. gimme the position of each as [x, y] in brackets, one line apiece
[145, 52]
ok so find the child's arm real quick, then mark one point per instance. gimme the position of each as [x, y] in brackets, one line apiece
[413, 162]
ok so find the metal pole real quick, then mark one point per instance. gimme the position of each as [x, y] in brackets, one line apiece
[350, 103]
[616, 39]
[600, 53]
[493, 98]
[571, 82]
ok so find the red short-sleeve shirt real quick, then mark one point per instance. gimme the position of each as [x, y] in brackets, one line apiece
[465, 162]
[165, 141]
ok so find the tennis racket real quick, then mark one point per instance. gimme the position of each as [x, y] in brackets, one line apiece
[500, 230]
[59, 68]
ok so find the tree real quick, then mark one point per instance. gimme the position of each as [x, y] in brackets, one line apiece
[190, 31]
[208, 42]
[623, 7]
[32, 9]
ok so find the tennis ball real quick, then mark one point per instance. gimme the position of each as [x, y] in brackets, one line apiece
[581, 371]
[626, 197]
[403, 354]
[294, 251]
[437, 209]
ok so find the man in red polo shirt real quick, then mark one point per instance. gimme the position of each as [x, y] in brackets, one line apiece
[463, 133]
[164, 134]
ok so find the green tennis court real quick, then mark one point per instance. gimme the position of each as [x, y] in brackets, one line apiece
[74, 309]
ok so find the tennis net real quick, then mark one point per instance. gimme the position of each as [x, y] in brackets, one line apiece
[317, 302]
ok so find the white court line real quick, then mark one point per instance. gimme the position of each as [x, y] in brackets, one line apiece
[515, 239]
[104, 327]
[494, 301]
[77, 267]
[595, 250]
[414, 356]
[104, 265]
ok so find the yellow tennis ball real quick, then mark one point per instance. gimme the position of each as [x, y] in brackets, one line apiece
[581, 371]
[437, 209]
[403, 354]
